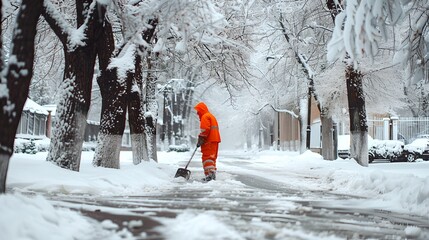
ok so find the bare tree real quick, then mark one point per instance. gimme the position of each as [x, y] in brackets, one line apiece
[202, 48]
[297, 38]
[121, 87]
[356, 98]
[15, 78]
[49, 62]
[413, 56]
[356, 37]
[302, 59]
[80, 56]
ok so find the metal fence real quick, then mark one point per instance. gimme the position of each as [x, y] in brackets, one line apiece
[410, 128]
[376, 128]
[405, 128]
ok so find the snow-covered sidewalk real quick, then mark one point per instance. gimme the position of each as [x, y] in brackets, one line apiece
[399, 187]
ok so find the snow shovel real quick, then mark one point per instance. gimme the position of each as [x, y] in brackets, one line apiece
[184, 172]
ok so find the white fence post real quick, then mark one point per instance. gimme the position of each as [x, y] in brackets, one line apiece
[386, 128]
[394, 127]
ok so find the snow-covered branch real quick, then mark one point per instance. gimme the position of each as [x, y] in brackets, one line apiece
[276, 110]
[360, 28]
[56, 21]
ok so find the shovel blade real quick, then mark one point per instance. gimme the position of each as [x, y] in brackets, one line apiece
[185, 173]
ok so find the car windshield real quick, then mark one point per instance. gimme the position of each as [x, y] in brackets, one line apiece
[418, 145]
[420, 142]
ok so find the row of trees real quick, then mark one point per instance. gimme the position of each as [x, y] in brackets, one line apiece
[276, 50]
[357, 74]
[153, 34]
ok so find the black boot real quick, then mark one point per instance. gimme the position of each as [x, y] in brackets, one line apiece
[211, 176]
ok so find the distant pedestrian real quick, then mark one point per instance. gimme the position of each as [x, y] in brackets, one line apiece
[208, 140]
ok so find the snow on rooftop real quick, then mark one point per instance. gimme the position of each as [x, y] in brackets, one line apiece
[34, 107]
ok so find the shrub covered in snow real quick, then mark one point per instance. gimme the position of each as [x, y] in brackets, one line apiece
[384, 149]
[32, 146]
[178, 148]
[42, 145]
[27, 146]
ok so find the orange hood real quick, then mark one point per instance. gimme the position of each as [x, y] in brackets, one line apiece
[201, 109]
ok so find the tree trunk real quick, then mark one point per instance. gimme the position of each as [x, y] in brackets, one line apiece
[151, 114]
[328, 152]
[71, 114]
[248, 140]
[136, 116]
[187, 107]
[357, 114]
[169, 120]
[1, 44]
[72, 111]
[303, 118]
[143, 123]
[113, 117]
[113, 109]
[16, 80]
[356, 102]
[113, 106]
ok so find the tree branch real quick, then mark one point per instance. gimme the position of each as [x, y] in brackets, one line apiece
[275, 109]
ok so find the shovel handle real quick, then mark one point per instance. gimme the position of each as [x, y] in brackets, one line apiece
[191, 157]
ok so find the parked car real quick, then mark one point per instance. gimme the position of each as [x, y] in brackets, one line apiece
[419, 148]
[393, 150]
[385, 149]
[343, 149]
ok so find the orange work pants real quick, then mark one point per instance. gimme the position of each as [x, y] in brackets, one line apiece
[209, 151]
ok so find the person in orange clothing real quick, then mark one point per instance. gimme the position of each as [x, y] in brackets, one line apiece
[208, 140]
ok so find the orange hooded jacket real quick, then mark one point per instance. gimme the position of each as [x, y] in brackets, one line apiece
[208, 124]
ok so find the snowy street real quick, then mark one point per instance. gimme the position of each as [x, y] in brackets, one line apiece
[304, 120]
[255, 196]
[249, 209]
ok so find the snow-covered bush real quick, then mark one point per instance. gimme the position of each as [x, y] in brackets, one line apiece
[178, 148]
[42, 145]
[384, 149]
[25, 146]
[19, 145]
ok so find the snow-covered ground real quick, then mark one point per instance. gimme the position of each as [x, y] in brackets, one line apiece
[399, 187]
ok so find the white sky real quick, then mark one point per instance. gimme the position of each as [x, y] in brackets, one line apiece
[398, 187]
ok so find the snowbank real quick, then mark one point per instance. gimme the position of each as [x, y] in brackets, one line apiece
[401, 187]
[203, 224]
[34, 173]
[35, 218]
